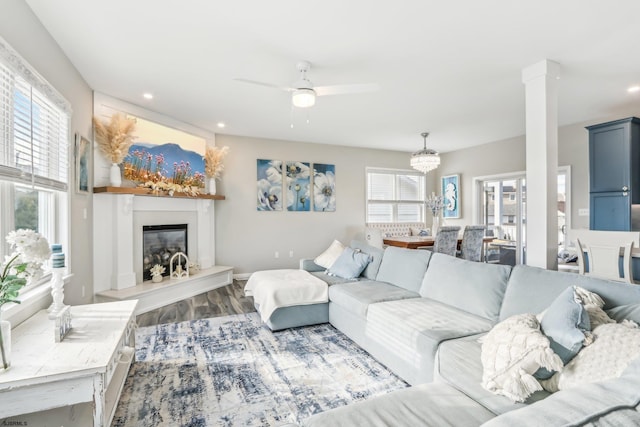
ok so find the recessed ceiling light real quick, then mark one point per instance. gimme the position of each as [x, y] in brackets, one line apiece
[221, 125]
[633, 89]
[148, 95]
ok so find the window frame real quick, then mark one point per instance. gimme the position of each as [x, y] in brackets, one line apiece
[396, 202]
[51, 182]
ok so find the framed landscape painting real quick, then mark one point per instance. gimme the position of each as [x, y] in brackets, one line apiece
[160, 153]
[451, 196]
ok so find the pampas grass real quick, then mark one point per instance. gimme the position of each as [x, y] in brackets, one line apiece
[115, 137]
[213, 157]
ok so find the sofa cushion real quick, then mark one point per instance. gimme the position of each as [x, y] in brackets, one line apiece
[459, 364]
[357, 296]
[422, 405]
[533, 289]
[331, 280]
[607, 403]
[329, 256]
[376, 258]
[412, 329]
[615, 345]
[349, 264]
[475, 287]
[403, 267]
[628, 311]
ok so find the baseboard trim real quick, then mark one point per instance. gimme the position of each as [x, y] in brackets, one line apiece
[243, 276]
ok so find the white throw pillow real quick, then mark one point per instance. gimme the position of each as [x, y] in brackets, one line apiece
[614, 346]
[328, 257]
[511, 352]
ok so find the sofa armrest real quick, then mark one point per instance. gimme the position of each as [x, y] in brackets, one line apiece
[310, 266]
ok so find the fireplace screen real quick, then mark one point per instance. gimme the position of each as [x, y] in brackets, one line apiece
[159, 243]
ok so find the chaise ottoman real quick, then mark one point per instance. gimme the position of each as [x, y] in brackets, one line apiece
[289, 298]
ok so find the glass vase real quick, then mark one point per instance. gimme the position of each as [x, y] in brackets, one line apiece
[5, 345]
[435, 224]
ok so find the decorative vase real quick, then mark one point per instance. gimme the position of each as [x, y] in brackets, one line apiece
[211, 186]
[5, 345]
[435, 225]
[156, 278]
[115, 178]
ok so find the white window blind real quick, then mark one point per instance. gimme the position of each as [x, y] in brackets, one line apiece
[395, 196]
[34, 126]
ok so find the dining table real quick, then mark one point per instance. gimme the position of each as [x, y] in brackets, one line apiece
[415, 242]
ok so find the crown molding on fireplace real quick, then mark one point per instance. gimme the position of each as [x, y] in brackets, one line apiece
[143, 191]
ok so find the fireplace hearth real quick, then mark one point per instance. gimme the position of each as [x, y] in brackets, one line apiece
[159, 243]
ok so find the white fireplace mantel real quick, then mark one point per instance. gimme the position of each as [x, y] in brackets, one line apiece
[118, 221]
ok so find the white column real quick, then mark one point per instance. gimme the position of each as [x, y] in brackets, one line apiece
[541, 90]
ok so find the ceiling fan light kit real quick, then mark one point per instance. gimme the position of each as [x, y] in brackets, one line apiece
[303, 98]
[426, 159]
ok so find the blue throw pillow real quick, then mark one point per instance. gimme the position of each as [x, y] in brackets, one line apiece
[565, 323]
[349, 264]
[376, 257]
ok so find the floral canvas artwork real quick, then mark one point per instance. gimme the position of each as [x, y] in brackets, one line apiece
[324, 187]
[163, 154]
[269, 182]
[298, 179]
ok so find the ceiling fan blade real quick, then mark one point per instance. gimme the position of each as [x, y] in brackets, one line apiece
[255, 82]
[344, 89]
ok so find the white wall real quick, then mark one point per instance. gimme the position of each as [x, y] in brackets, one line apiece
[24, 32]
[247, 239]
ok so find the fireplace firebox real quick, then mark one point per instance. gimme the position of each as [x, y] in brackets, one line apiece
[159, 243]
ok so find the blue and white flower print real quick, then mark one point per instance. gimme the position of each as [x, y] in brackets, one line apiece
[324, 187]
[269, 185]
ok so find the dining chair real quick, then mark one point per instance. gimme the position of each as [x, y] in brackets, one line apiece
[472, 243]
[446, 240]
[600, 252]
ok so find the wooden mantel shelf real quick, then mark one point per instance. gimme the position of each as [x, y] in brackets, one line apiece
[143, 191]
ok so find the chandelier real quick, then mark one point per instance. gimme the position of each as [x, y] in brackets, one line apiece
[426, 159]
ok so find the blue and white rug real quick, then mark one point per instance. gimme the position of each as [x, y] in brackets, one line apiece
[232, 371]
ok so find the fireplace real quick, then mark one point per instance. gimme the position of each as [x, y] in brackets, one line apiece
[159, 243]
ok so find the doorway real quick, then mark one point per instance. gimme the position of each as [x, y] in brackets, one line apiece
[502, 208]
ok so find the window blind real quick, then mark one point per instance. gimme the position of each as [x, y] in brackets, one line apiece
[395, 196]
[34, 126]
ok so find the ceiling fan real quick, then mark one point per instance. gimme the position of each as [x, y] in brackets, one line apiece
[303, 92]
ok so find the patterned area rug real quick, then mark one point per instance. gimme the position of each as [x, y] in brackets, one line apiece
[232, 371]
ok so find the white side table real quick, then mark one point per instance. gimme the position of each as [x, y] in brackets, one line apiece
[90, 365]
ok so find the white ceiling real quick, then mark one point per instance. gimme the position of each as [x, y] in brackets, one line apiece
[452, 68]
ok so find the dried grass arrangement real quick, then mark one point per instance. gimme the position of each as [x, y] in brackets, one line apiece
[213, 158]
[115, 137]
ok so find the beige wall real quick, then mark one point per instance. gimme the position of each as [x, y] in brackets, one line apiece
[24, 32]
[247, 239]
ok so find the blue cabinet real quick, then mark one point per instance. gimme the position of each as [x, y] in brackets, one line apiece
[614, 173]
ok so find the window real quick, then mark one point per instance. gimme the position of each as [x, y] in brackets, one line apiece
[34, 141]
[395, 196]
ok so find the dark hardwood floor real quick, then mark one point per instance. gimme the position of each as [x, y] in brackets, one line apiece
[223, 301]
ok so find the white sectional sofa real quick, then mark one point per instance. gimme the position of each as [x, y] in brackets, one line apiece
[421, 315]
